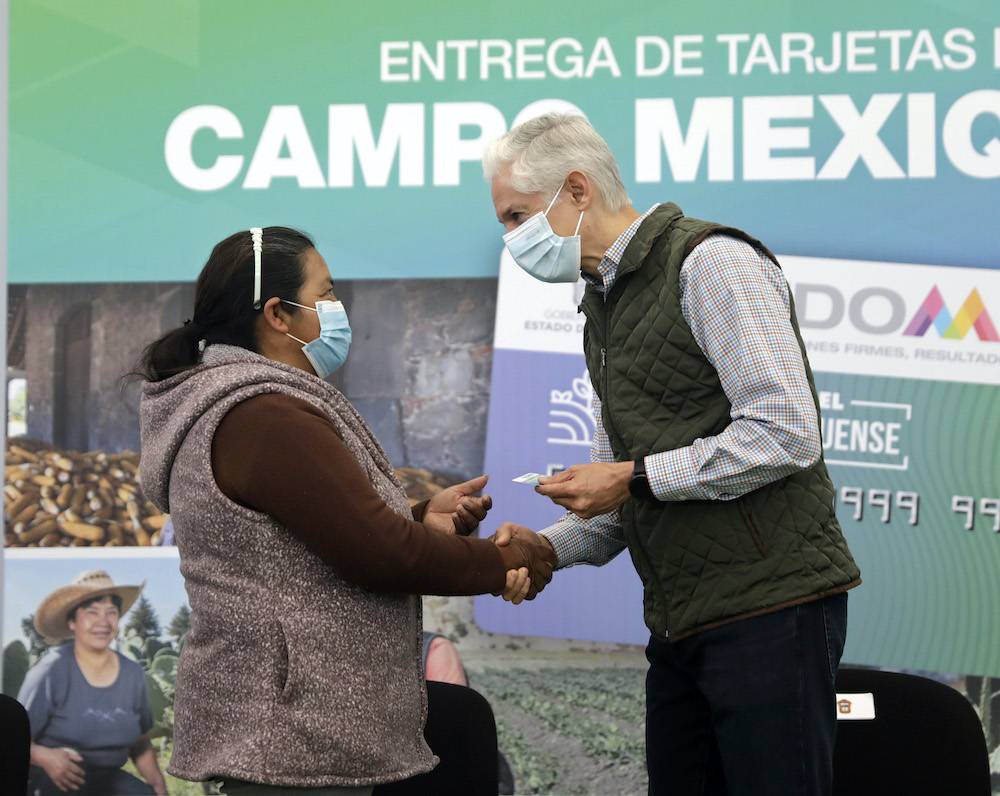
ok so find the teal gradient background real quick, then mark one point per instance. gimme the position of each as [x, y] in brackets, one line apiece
[930, 593]
[95, 85]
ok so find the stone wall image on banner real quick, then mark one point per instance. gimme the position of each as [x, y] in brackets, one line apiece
[71, 476]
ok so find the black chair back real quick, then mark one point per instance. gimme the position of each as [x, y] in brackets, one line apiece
[926, 738]
[15, 745]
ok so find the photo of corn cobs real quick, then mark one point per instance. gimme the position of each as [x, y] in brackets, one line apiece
[420, 484]
[56, 498]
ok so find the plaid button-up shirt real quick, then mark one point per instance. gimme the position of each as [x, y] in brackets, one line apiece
[736, 302]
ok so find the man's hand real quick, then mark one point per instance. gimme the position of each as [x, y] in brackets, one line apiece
[536, 550]
[64, 767]
[455, 510]
[588, 489]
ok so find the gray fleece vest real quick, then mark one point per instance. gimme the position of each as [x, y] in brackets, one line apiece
[289, 676]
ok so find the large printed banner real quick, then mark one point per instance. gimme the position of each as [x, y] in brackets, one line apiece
[143, 133]
[860, 140]
[907, 361]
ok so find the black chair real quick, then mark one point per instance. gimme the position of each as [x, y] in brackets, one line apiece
[15, 745]
[925, 739]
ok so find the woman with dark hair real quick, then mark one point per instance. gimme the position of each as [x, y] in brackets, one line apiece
[87, 704]
[301, 556]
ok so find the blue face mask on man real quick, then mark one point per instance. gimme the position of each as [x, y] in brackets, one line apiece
[543, 254]
[328, 351]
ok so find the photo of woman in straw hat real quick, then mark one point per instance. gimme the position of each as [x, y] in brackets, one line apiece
[86, 702]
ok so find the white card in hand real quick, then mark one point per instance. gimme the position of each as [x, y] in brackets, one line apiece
[528, 478]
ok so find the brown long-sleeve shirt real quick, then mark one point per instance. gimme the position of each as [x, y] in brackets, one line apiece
[281, 456]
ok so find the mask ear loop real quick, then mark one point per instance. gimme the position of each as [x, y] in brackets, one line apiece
[547, 209]
[257, 235]
[579, 221]
[303, 306]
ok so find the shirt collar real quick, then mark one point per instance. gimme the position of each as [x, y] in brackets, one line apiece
[608, 267]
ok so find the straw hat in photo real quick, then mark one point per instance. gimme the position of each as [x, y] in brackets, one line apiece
[51, 616]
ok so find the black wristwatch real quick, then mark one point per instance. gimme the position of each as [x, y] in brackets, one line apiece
[638, 485]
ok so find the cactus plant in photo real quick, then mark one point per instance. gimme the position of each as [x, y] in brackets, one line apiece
[15, 667]
[984, 693]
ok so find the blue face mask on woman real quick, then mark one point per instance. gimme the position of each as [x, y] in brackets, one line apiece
[328, 351]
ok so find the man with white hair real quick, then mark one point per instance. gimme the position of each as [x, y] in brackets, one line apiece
[706, 463]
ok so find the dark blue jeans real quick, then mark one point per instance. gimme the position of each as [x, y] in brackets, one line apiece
[747, 709]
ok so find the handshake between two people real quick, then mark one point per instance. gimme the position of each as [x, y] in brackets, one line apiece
[529, 558]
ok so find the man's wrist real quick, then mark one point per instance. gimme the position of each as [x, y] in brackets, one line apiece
[551, 544]
[625, 470]
[638, 485]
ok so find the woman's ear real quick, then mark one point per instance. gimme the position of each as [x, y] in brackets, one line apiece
[275, 315]
[580, 188]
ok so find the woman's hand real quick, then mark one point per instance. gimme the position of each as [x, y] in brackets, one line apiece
[455, 510]
[517, 586]
[64, 767]
[535, 550]
[144, 756]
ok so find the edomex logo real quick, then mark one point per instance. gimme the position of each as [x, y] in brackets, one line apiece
[971, 315]
[880, 310]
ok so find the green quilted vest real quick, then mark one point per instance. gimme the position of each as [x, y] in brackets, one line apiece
[702, 563]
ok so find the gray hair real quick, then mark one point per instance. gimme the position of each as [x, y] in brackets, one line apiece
[543, 150]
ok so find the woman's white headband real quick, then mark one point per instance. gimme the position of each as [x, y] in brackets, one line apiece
[257, 234]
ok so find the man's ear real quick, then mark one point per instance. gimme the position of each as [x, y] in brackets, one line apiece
[581, 189]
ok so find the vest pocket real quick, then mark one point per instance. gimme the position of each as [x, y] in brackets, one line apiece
[655, 599]
[755, 534]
